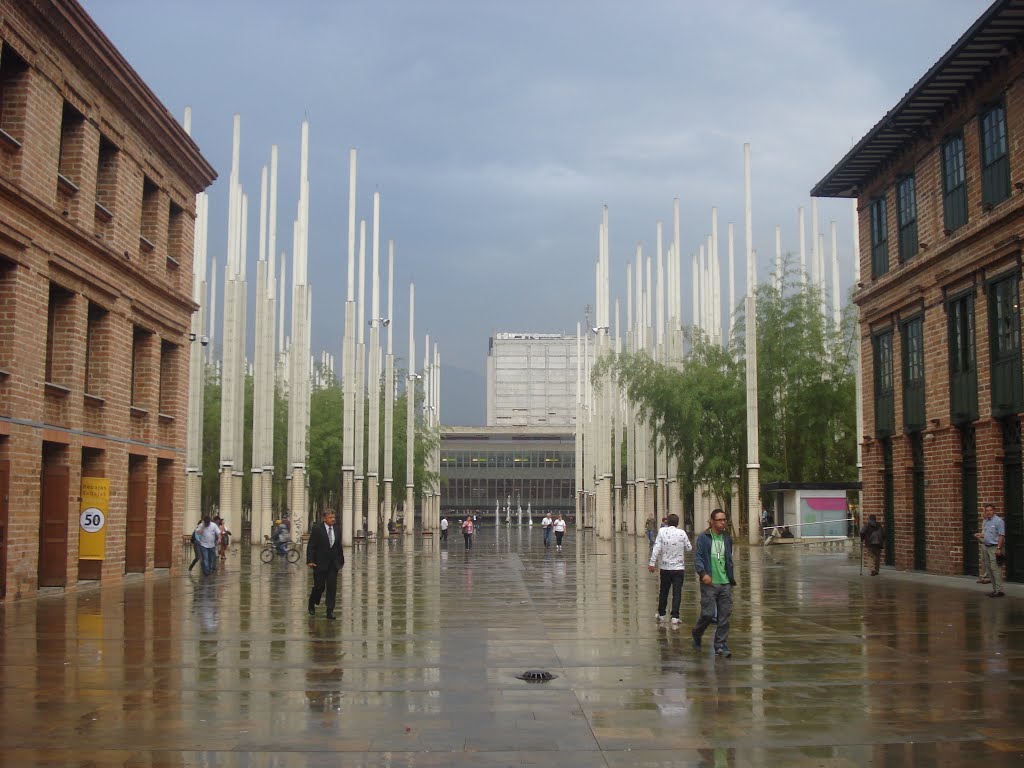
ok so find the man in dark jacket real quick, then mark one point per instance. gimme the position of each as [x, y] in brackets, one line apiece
[325, 557]
[872, 535]
[713, 563]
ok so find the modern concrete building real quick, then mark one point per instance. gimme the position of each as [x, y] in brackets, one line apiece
[487, 467]
[938, 184]
[531, 380]
[98, 187]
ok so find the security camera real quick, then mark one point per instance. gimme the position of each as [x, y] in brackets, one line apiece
[387, 322]
[205, 340]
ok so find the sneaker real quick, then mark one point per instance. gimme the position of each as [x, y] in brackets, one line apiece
[659, 617]
[675, 621]
[723, 651]
[696, 639]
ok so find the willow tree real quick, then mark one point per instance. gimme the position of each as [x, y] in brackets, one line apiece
[806, 394]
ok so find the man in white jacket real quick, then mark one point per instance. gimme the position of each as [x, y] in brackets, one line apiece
[670, 545]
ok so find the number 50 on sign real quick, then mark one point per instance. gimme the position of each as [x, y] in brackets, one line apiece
[92, 531]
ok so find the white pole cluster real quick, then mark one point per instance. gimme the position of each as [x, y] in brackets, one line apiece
[266, 358]
[299, 353]
[197, 360]
[233, 360]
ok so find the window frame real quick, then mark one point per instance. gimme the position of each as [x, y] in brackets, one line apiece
[878, 214]
[906, 217]
[954, 197]
[995, 168]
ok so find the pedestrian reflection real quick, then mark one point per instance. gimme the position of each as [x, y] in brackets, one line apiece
[324, 673]
[719, 757]
[204, 606]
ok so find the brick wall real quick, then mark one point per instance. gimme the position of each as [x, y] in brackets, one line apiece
[75, 280]
[947, 264]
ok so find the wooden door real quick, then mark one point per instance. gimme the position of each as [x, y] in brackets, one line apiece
[53, 526]
[163, 527]
[5, 487]
[135, 521]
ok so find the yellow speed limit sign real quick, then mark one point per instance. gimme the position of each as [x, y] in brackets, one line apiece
[92, 522]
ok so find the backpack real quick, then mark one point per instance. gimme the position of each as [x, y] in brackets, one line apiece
[876, 538]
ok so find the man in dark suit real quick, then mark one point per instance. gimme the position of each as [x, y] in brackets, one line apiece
[325, 557]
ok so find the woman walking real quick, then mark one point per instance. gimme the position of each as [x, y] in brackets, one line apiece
[467, 532]
[559, 526]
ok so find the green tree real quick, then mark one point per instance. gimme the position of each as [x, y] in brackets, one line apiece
[805, 396]
[326, 419]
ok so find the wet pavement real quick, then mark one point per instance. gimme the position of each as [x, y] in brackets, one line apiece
[830, 668]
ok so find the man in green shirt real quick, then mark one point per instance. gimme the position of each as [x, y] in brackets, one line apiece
[713, 562]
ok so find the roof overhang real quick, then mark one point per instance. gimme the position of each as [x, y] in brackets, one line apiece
[993, 37]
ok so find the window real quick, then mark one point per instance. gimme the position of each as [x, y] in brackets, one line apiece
[963, 375]
[97, 351]
[1004, 342]
[168, 379]
[954, 186]
[913, 374]
[177, 222]
[13, 97]
[995, 165]
[72, 140]
[142, 379]
[150, 207]
[60, 337]
[906, 213]
[884, 416]
[106, 183]
[879, 238]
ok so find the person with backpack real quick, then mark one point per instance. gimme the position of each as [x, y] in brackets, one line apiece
[872, 536]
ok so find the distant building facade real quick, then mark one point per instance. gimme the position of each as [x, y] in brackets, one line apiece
[97, 207]
[487, 467]
[939, 184]
[531, 380]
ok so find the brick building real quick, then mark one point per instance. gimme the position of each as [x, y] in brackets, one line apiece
[97, 199]
[938, 183]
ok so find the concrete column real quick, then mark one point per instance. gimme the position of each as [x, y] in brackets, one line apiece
[348, 373]
[753, 455]
[389, 393]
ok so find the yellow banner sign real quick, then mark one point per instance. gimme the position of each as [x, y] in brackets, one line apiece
[92, 523]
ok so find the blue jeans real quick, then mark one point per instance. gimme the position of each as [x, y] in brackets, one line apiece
[209, 559]
[547, 536]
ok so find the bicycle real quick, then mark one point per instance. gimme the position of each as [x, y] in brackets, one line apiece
[292, 552]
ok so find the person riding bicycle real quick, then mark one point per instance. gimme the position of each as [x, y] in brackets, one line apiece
[280, 537]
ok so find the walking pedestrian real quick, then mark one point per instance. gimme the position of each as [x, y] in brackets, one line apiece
[559, 527]
[444, 529]
[714, 566]
[547, 523]
[873, 537]
[196, 550]
[325, 556]
[670, 545]
[225, 538]
[992, 538]
[208, 535]
[467, 532]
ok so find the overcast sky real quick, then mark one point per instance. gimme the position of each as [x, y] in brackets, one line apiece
[495, 131]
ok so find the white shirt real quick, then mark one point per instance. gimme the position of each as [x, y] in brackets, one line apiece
[444, 524]
[208, 535]
[671, 543]
[330, 534]
[559, 526]
[546, 521]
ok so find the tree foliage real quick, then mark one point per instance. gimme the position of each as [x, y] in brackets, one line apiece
[806, 396]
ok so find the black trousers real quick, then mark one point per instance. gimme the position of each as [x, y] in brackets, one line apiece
[324, 579]
[670, 580]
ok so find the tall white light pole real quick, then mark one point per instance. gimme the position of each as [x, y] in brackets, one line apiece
[348, 458]
[753, 453]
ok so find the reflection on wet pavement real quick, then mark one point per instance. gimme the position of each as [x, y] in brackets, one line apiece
[829, 668]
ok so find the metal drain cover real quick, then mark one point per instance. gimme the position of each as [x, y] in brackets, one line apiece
[536, 676]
